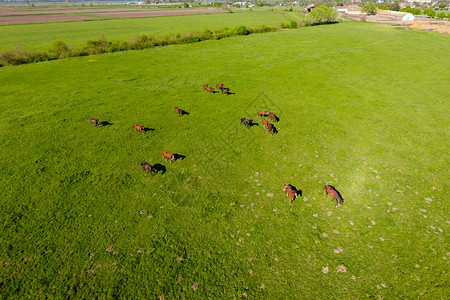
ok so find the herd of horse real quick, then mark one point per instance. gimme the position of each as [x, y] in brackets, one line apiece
[221, 87]
[289, 190]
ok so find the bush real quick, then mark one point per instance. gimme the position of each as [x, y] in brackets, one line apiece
[441, 15]
[416, 11]
[430, 12]
[370, 8]
[322, 15]
[240, 30]
[59, 50]
[293, 24]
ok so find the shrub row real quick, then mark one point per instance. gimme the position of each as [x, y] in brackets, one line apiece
[417, 11]
[101, 45]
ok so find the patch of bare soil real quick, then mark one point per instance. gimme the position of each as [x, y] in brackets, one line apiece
[51, 11]
[158, 13]
[378, 18]
[42, 19]
[418, 23]
[22, 16]
[439, 26]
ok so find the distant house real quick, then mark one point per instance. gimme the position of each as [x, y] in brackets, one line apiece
[310, 7]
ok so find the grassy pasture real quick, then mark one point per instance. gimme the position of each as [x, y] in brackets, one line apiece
[41, 36]
[361, 106]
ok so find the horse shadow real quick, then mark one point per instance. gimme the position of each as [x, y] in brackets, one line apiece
[253, 124]
[183, 112]
[177, 156]
[106, 123]
[230, 93]
[159, 168]
[275, 131]
[299, 194]
[148, 129]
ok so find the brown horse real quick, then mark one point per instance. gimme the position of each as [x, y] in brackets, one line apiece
[266, 123]
[94, 121]
[219, 86]
[329, 189]
[178, 111]
[271, 128]
[139, 128]
[147, 167]
[169, 156]
[208, 88]
[262, 113]
[291, 191]
[273, 117]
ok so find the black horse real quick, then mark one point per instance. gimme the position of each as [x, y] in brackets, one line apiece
[147, 167]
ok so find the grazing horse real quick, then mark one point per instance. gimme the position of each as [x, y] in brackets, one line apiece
[208, 88]
[94, 121]
[246, 122]
[291, 191]
[139, 127]
[271, 128]
[262, 113]
[273, 117]
[178, 111]
[225, 91]
[169, 156]
[219, 86]
[147, 167]
[329, 189]
[266, 123]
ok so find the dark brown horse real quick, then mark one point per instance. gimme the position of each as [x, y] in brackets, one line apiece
[94, 122]
[147, 167]
[271, 128]
[273, 117]
[169, 156]
[329, 189]
[139, 128]
[225, 91]
[178, 111]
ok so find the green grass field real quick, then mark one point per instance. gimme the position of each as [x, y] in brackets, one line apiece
[362, 107]
[42, 36]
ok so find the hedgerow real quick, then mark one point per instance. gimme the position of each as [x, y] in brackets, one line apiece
[60, 50]
[101, 45]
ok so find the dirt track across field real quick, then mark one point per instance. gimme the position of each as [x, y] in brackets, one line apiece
[23, 16]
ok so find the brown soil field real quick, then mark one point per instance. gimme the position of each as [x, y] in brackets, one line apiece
[43, 19]
[52, 11]
[158, 13]
[58, 15]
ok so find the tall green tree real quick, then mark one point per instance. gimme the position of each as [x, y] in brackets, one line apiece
[370, 8]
